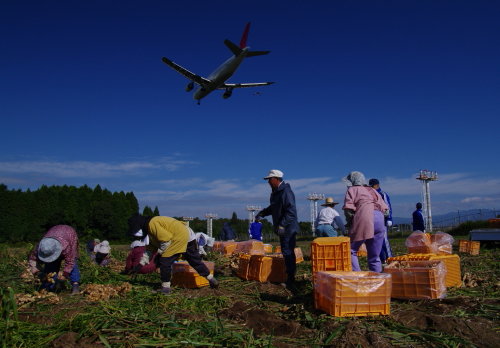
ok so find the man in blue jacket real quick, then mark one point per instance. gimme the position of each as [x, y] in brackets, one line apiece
[418, 219]
[284, 212]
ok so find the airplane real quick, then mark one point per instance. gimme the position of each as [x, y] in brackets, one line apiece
[218, 78]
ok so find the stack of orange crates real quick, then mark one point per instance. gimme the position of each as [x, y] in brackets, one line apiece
[344, 294]
[417, 279]
[252, 247]
[268, 248]
[452, 262]
[330, 254]
[270, 268]
[243, 266]
[469, 246]
[184, 276]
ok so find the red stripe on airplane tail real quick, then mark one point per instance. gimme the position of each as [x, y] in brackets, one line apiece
[243, 42]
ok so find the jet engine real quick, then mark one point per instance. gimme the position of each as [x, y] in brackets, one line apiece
[190, 86]
[227, 93]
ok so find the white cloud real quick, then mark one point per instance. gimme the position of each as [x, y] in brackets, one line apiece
[79, 169]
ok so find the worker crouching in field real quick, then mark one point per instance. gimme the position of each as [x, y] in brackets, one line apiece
[102, 253]
[137, 249]
[172, 239]
[58, 244]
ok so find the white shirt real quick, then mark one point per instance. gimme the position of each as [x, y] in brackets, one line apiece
[326, 216]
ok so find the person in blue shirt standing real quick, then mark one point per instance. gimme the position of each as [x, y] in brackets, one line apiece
[284, 212]
[255, 230]
[386, 251]
[418, 219]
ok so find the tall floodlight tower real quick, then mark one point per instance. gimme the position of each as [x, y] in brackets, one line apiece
[210, 217]
[426, 176]
[314, 198]
[187, 219]
[251, 212]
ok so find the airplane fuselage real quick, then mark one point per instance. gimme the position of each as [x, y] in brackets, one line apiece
[220, 75]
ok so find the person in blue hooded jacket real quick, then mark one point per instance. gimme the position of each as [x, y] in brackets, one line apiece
[227, 233]
[386, 251]
[284, 212]
[418, 219]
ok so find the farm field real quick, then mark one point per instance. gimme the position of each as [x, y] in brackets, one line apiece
[116, 310]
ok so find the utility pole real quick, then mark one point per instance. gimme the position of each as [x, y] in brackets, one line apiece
[314, 198]
[187, 219]
[210, 217]
[426, 176]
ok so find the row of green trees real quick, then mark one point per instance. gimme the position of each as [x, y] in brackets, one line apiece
[97, 212]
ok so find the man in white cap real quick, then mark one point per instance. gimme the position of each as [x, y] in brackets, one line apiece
[327, 218]
[58, 244]
[284, 212]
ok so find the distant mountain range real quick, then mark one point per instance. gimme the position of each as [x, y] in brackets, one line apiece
[454, 218]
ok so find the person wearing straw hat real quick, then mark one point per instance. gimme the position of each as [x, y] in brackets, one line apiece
[102, 253]
[327, 218]
[284, 212]
[60, 243]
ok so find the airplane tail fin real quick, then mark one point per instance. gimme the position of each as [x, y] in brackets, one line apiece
[243, 44]
[244, 37]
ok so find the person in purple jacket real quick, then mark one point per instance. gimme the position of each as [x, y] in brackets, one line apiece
[59, 244]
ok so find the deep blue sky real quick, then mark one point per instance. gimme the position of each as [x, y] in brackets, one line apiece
[383, 87]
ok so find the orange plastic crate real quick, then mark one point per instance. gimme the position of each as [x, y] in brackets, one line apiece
[260, 268]
[278, 269]
[277, 249]
[417, 279]
[345, 294]
[268, 248]
[469, 246]
[184, 267]
[331, 254]
[452, 262]
[243, 266]
[228, 248]
[252, 247]
[185, 276]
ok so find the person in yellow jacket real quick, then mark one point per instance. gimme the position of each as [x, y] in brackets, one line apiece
[172, 239]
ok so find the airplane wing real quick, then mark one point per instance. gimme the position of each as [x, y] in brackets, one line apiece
[191, 76]
[244, 85]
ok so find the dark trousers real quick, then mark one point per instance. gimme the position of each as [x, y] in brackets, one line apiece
[287, 243]
[192, 256]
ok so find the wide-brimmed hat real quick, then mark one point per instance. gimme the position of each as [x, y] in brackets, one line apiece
[103, 247]
[274, 173]
[329, 201]
[49, 249]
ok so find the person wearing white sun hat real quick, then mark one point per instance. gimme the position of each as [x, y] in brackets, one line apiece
[60, 243]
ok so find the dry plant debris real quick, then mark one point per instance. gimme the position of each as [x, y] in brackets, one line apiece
[49, 297]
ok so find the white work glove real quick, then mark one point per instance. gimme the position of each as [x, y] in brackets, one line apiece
[144, 258]
[163, 247]
[389, 223]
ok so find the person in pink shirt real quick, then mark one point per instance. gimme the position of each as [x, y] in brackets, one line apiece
[60, 243]
[364, 209]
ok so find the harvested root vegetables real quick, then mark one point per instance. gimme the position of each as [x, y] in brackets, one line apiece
[103, 292]
[44, 295]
